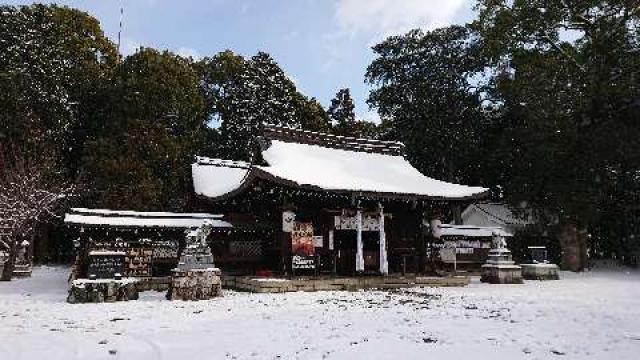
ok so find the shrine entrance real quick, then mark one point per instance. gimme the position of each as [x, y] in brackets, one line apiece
[360, 242]
[346, 252]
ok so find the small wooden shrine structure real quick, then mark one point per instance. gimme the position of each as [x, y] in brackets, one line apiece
[330, 204]
[133, 244]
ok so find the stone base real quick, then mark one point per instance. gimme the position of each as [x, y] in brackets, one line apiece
[501, 274]
[195, 284]
[329, 283]
[540, 271]
[102, 290]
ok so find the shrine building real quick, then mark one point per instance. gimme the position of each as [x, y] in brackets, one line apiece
[326, 204]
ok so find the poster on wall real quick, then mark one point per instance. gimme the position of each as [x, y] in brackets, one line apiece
[302, 247]
[302, 239]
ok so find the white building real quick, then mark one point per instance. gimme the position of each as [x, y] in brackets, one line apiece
[493, 215]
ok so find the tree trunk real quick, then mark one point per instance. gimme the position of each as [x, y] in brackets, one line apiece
[574, 246]
[7, 272]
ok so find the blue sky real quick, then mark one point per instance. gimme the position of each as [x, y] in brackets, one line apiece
[323, 45]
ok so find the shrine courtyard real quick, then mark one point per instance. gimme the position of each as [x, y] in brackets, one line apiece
[593, 315]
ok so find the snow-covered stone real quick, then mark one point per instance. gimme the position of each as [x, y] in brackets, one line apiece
[540, 271]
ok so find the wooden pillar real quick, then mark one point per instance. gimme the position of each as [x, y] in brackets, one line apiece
[334, 255]
[422, 246]
[384, 265]
[359, 246]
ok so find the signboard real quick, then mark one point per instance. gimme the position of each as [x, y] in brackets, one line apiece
[463, 249]
[301, 262]
[370, 222]
[105, 264]
[302, 239]
[448, 255]
[165, 249]
[303, 246]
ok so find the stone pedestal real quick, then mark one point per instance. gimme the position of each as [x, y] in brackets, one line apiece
[22, 270]
[500, 268]
[195, 284]
[102, 290]
[540, 271]
[196, 277]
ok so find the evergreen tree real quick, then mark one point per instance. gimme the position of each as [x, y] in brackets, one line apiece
[572, 107]
[426, 99]
[54, 63]
[153, 124]
[342, 113]
[245, 94]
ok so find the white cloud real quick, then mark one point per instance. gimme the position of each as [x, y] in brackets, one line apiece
[389, 17]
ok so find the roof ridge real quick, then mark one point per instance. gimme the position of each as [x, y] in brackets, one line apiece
[506, 221]
[349, 143]
[203, 160]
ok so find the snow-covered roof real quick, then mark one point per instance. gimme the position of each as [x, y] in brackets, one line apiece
[317, 167]
[155, 214]
[126, 218]
[471, 231]
[496, 212]
[215, 178]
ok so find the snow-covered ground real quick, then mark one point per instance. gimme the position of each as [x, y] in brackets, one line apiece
[593, 315]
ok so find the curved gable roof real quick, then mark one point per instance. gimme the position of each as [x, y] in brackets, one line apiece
[321, 168]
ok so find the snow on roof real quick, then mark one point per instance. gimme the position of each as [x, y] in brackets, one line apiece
[216, 177]
[471, 231]
[81, 216]
[325, 168]
[500, 213]
[337, 169]
[108, 212]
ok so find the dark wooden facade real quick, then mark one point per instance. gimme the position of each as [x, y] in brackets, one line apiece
[257, 214]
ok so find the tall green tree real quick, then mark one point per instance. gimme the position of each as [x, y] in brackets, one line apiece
[153, 123]
[572, 102]
[426, 97]
[342, 113]
[245, 94]
[54, 61]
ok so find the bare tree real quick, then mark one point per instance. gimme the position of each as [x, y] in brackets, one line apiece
[29, 194]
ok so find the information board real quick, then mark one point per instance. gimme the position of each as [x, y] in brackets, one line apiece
[105, 265]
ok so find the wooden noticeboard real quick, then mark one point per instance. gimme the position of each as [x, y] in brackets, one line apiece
[138, 261]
